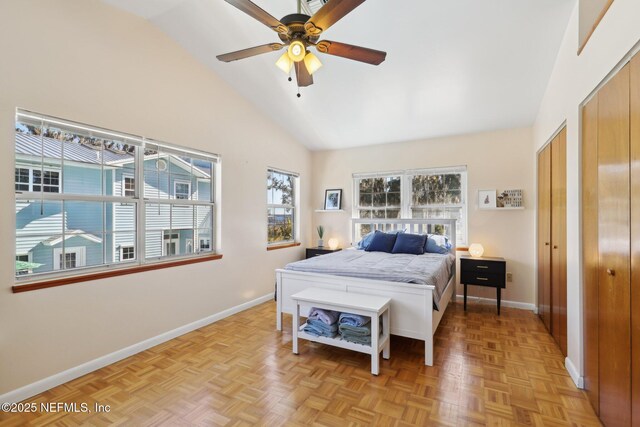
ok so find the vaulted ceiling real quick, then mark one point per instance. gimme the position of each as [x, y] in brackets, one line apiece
[453, 67]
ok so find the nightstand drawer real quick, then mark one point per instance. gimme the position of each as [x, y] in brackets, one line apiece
[482, 266]
[493, 280]
[313, 252]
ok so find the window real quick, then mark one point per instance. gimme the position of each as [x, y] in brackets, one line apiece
[440, 194]
[422, 193]
[23, 264]
[68, 258]
[182, 190]
[28, 179]
[379, 197]
[76, 204]
[281, 207]
[127, 253]
[128, 186]
[205, 244]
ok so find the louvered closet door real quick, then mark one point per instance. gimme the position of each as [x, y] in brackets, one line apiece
[614, 339]
[590, 247]
[559, 240]
[635, 236]
[544, 236]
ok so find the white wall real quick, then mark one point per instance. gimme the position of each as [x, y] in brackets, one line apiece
[495, 160]
[590, 11]
[85, 61]
[573, 79]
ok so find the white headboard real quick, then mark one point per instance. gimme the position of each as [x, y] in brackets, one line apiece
[414, 226]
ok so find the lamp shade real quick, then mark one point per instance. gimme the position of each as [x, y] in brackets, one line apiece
[476, 250]
[333, 243]
[296, 51]
[312, 62]
[284, 63]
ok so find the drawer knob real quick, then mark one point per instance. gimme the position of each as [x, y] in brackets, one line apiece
[483, 266]
[482, 278]
[611, 272]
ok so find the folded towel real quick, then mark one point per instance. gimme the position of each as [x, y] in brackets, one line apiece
[355, 331]
[364, 340]
[353, 319]
[320, 329]
[327, 316]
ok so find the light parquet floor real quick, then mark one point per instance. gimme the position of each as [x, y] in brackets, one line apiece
[489, 371]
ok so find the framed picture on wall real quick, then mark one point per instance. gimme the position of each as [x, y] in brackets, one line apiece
[333, 200]
[487, 199]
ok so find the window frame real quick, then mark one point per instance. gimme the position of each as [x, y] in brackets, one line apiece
[406, 193]
[80, 253]
[32, 183]
[122, 249]
[177, 182]
[295, 207]
[132, 177]
[110, 266]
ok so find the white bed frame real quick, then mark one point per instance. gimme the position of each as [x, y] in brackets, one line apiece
[412, 313]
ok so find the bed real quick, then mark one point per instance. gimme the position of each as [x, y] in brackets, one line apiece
[416, 308]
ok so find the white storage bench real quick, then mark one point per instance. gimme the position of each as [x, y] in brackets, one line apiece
[349, 302]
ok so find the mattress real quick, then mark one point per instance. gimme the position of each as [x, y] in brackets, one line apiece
[426, 269]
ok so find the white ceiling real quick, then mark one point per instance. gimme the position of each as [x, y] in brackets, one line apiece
[452, 67]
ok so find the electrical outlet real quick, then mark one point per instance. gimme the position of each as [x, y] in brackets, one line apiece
[509, 276]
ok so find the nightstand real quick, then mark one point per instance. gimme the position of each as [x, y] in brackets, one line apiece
[311, 252]
[484, 271]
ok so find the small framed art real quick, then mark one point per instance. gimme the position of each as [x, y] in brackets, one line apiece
[487, 199]
[333, 200]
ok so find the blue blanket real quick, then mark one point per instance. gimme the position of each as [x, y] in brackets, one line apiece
[320, 329]
[357, 334]
[327, 316]
[353, 319]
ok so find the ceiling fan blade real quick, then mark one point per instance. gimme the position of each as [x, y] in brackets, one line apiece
[252, 51]
[329, 14]
[259, 14]
[304, 78]
[349, 51]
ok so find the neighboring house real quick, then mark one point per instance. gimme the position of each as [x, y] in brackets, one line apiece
[93, 235]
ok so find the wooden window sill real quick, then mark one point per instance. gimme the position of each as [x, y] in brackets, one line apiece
[284, 246]
[112, 273]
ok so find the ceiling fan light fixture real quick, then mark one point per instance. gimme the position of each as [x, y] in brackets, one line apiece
[285, 63]
[312, 62]
[296, 51]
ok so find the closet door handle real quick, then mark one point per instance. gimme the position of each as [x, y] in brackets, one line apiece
[555, 246]
[546, 243]
[611, 272]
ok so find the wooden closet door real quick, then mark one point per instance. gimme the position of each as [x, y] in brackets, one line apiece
[544, 236]
[614, 338]
[590, 247]
[635, 237]
[559, 240]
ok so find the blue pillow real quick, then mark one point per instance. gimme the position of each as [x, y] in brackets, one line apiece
[366, 241]
[409, 244]
[433, 247]
[382, 242]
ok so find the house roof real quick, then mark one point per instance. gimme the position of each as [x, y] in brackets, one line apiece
[54, 240]
[29, 144]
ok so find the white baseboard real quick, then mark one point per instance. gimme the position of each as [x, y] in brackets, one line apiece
[503, 303]
[78, 371]
[573, 372]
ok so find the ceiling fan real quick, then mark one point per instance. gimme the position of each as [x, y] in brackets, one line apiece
[298, 32]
